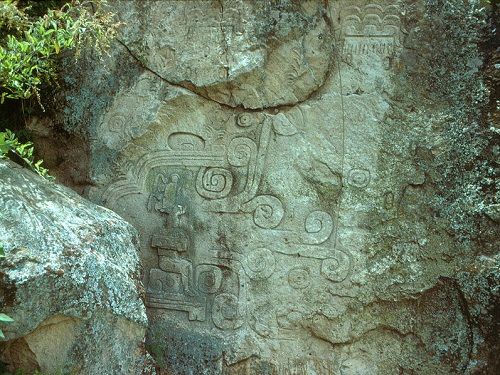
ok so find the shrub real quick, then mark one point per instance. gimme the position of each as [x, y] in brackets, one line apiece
[29, 51]
[10, 145]
[29, 47]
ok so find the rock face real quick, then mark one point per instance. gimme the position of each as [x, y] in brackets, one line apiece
[70, 280]
[313, 182]
[236, 53]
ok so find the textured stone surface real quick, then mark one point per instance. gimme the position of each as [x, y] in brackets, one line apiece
[238, 53]
[70, 281]
[313, 182]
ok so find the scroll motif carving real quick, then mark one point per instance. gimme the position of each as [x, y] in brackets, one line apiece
[214, 183]
[242, 151]
[244, 120]
[226, 312]
[336, 268]
[247, 119]
[117, 124]
[135, 183]
[283, 126]
[267, 211]
[259, 264]
[208, 278]
[359, 177]
[299, 278]
[318, 228]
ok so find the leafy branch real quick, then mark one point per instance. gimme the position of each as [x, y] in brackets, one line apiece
[28, 58]
[24, 151]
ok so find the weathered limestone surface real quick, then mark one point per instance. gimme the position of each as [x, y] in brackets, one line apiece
[313, 182]
[70, 281]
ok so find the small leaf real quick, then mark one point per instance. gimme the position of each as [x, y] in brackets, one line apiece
[5, 318]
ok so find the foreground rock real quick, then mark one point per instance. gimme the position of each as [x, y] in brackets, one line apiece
[70, 280]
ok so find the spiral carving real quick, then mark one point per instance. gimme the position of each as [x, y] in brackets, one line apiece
[336, 268]
[318, 226]
[241, 151]
[117, 123]
[226, 312]
[359, 178]
[267, 211]
[214, 183]
[259, 264]
[244, 120]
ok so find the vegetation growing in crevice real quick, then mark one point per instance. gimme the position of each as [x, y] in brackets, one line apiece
[32, 37]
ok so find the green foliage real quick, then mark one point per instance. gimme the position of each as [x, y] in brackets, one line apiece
[4, 319]
[24, 151]
[27, 60]
[11, 16]
[30, 45]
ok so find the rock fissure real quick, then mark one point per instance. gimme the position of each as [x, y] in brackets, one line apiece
[193, 89]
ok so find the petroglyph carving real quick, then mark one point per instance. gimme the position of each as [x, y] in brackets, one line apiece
[372, 28]
[242, 151]
[172, 241]
[259, 264]
[165, 191]
[282, 125]
[318, 227]
[299, 277]
[117, 123]
[289, 318]
[298, 66]
[180, 266]
[267, 211]
[336, 268]
[136, 180]
[208, 278]
[195, 310]
[359, 177]
[120, 127]
[388, 202]
[244, 120]
[226, 312]
[185, 141]
[165, 291]
[248, 119]
[214, 183]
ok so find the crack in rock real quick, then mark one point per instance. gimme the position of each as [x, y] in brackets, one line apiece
[192, 88]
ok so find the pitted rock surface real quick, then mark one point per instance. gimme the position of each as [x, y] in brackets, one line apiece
[70, 280]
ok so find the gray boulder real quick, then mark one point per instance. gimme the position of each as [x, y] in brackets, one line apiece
[70, 280]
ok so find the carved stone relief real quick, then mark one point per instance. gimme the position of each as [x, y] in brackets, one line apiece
[259, 178]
